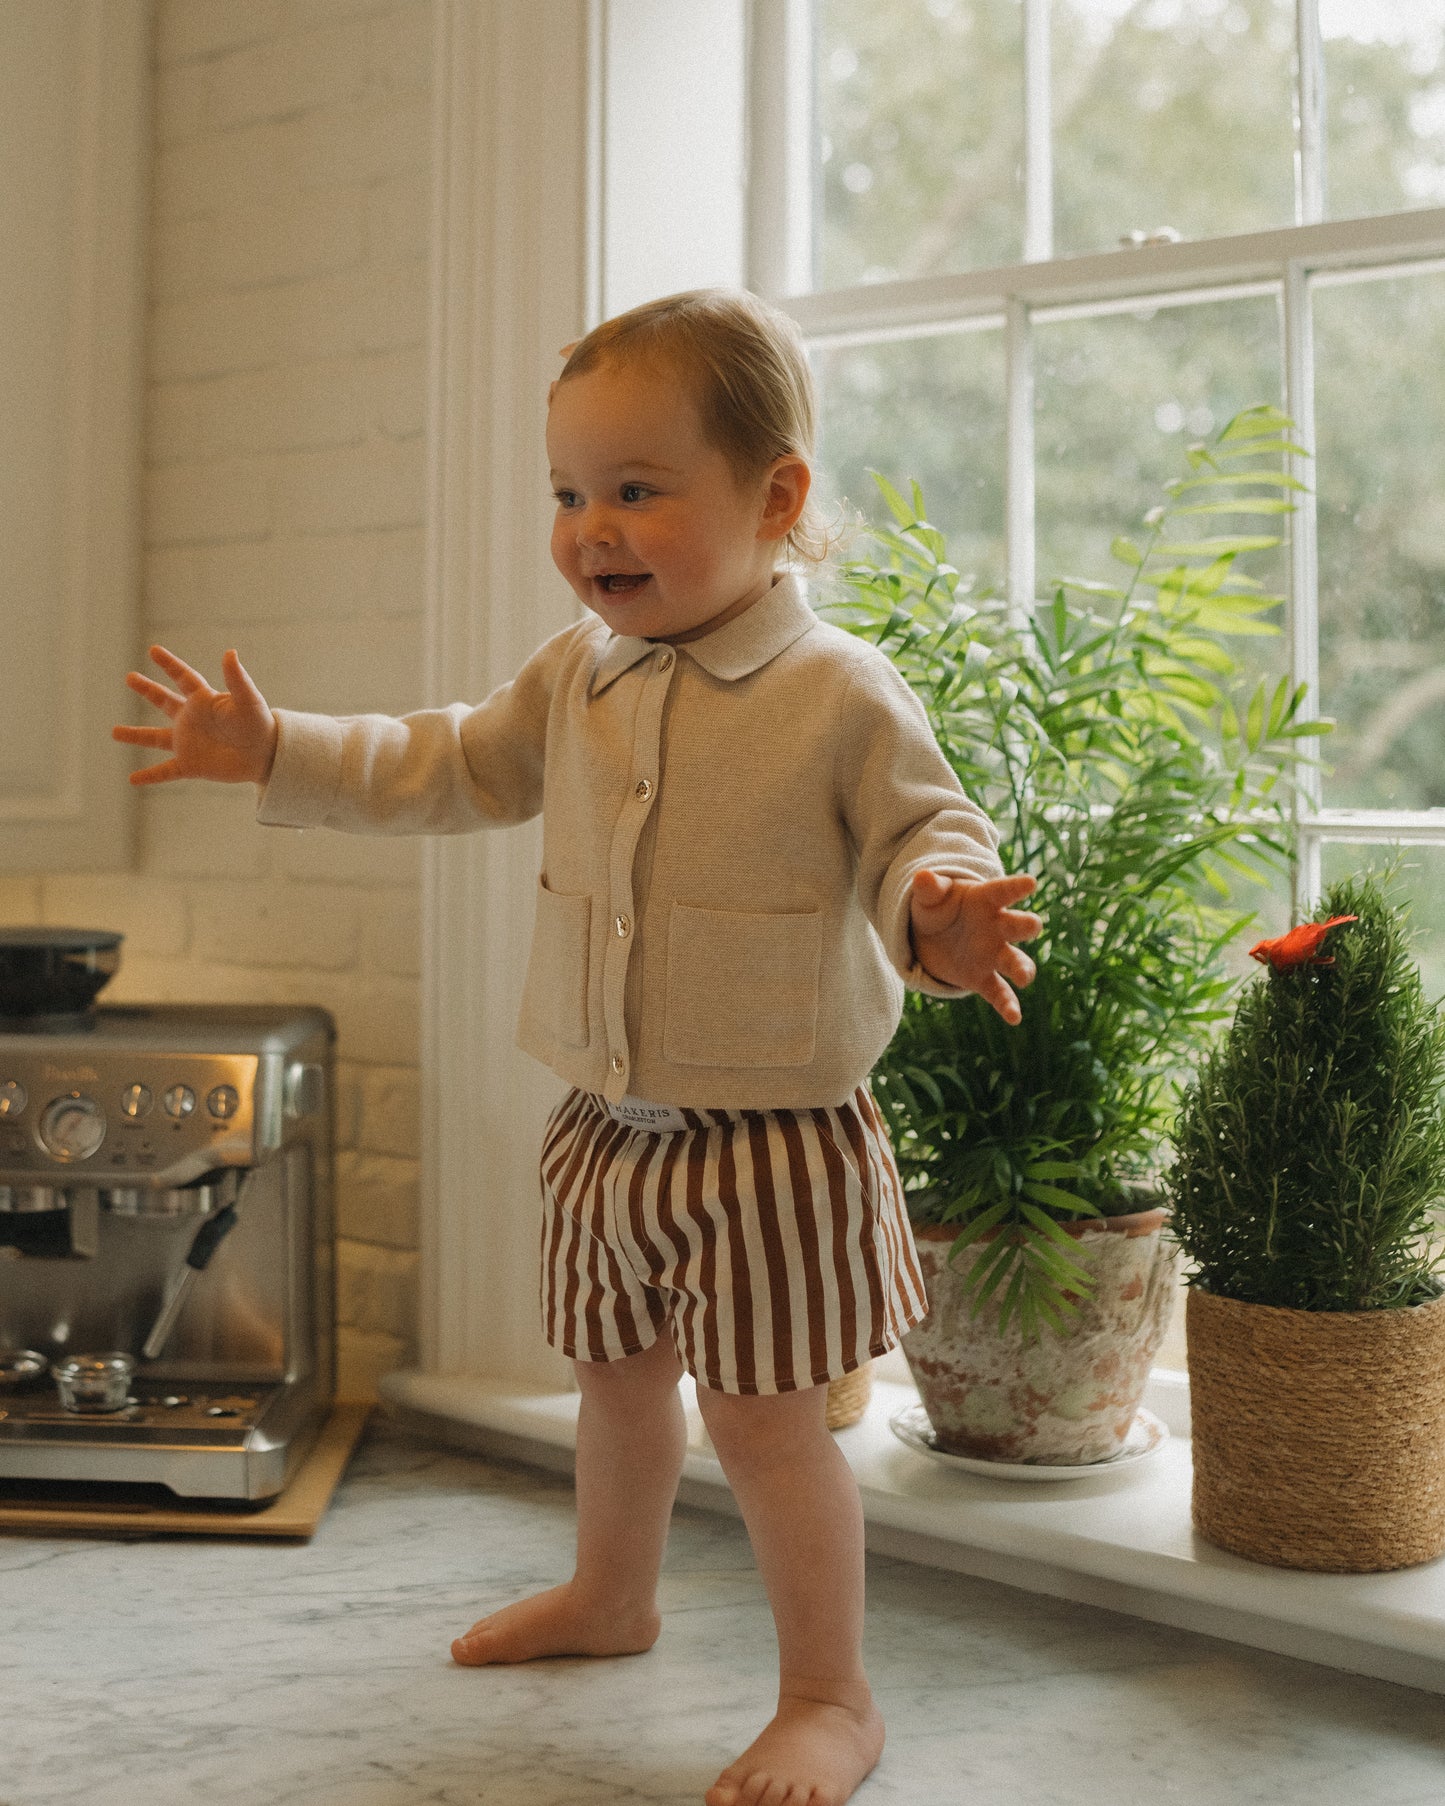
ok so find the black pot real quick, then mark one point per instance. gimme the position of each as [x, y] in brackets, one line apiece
[53, 972]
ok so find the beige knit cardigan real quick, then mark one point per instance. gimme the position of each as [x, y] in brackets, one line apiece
[730, 831]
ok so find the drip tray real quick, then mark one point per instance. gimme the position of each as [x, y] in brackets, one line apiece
[49, 1508]
[214, 1415]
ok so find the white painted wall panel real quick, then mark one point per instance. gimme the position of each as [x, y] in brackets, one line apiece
[74, 136]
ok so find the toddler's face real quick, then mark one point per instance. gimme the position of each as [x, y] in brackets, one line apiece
[653, 530]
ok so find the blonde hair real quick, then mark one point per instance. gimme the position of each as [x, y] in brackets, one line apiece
[753, 386]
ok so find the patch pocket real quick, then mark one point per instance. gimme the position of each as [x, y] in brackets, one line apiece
[742, 990]
[554, 997]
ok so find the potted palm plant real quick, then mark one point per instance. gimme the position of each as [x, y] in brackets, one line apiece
[1309, 1171]
[1107, 736]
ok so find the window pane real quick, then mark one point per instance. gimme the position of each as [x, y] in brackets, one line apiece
[1171, 113]
[1385, 105]
[919, 116]
[930, 409]
[1421, 884]
[1380, 419]
[1118, 402]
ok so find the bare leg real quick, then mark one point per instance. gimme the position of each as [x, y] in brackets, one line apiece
[801, 1506]
[631, 1439]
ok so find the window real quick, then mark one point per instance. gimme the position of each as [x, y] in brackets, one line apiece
[1039, 246]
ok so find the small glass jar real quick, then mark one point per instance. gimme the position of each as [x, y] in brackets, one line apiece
[95, 1382]
[19, 1368]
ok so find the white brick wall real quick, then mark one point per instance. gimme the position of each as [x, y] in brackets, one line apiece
[283, 515]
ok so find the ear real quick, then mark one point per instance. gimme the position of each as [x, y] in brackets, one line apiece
[785, 490]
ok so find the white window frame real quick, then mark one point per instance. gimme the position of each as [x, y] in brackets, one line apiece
[1291, 263]
[634, 188]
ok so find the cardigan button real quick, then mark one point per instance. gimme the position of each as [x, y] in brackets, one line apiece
[665, 662]
[624, 927]
[643, 789]
[619, 1065]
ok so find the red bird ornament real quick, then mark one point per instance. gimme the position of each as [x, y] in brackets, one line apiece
[1300, 947]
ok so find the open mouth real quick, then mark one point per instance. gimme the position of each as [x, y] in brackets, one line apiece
[621, 583]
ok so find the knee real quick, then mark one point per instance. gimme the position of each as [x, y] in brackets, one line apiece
[758, 1433]
[631, 1383]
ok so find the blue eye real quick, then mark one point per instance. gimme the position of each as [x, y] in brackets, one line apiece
[566, 498]
[633, 492]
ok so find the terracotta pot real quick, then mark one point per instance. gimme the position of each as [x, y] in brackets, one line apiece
[1064, 1400]
[1319, 1436]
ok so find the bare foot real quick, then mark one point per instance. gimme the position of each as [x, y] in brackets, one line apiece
[814, 1753]
[554, 1623]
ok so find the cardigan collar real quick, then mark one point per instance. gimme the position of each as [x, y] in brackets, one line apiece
[737, 649]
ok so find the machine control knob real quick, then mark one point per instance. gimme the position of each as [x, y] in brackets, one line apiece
[179, 1101]
[13, 1099]
[304, 1090]
[223, 1102]
[72, 1127]
[136, 1101]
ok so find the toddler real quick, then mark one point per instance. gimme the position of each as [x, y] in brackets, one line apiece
[751, 842]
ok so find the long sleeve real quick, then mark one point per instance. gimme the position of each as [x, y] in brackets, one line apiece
[905, 810]
[438, 771]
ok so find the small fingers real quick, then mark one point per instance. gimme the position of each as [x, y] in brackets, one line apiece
[143, 736]
[163, 773]
[1020, 924]
[1011, 889]
[240, 683]
[150, 691]
[1017, 967]
[191, 682]
[932, 900]
[998, 995]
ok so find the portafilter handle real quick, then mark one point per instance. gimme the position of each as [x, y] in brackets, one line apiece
[208, 1238]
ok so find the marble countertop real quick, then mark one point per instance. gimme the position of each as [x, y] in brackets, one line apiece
[164, 1671]
[1122, 1540]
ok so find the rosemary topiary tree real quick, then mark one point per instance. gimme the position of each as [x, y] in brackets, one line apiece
[1310, 1150]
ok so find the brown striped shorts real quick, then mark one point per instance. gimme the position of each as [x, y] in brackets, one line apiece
[772, 1245]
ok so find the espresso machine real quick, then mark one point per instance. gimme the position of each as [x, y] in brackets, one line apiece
[166, 1230]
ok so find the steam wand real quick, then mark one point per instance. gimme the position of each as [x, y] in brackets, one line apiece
[208, 1238]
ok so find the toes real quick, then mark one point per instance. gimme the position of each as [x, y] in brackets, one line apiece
[761, 1789]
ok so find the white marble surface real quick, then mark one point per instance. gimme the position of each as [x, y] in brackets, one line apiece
[172, 1672]
[1122, 1540]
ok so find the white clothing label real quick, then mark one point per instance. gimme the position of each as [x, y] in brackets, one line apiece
[637, 1113]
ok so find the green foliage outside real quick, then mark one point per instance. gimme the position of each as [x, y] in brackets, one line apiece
[1310, 1157]
[1165, 112]
[1108, 738]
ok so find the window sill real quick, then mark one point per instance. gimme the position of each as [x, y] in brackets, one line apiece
[1123, 1542]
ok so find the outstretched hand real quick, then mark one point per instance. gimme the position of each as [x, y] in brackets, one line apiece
[963, 934]
[226, 735]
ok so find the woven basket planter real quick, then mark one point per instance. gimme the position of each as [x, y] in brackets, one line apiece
[848, 1397]
[1319, 1436]
[1067, 1399]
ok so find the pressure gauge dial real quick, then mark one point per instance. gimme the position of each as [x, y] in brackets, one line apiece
[72, 1127]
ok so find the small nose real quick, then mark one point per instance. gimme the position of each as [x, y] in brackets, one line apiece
[595, 527]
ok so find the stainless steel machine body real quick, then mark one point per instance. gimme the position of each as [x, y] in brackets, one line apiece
[132, 1144]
